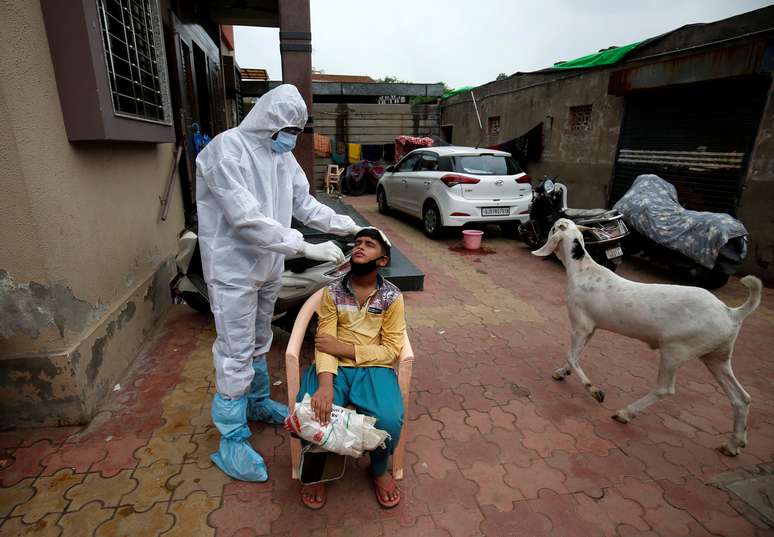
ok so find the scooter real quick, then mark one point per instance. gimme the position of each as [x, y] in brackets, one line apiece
[549, 204]
[705, 246]
[300, 280]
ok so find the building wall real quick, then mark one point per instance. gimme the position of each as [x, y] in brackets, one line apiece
[371, 124]
[756, 208]
[585, 161]
[85, 261]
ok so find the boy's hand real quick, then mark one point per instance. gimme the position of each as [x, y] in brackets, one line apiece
[322, 403]
[327, 343]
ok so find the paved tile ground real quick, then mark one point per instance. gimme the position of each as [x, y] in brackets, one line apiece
[495, 448]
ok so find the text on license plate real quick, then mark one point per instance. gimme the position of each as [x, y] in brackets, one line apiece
[614, 252]
[495, 211]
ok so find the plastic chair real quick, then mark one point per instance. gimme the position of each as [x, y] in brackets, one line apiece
[293, 372]
[333, 179]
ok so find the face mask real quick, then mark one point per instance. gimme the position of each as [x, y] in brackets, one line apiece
[361, 269]
[284, 142]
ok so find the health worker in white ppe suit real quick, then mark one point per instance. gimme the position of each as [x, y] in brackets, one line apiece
[248, 187]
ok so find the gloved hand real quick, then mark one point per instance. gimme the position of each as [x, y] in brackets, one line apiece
[354, 230]
[327, 251]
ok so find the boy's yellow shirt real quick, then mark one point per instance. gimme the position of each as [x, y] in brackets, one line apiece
[377, 329]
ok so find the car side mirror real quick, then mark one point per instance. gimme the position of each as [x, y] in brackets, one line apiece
[390, 169]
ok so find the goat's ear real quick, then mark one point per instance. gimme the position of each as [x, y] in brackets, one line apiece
[583, 228]
[550, 246]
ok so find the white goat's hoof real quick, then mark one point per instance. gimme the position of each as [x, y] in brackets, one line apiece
[729, 450]
[559, 375]
[621, 418]
[597, 394]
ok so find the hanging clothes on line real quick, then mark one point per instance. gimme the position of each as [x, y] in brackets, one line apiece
[354, 151]
[526, 148]
[322, 145]
[339, 152]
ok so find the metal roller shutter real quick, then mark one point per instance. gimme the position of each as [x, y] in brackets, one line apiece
[698, 137]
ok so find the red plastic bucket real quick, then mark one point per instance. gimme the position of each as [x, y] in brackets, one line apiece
[471, 239]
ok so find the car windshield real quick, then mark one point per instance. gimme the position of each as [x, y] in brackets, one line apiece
[486, 165]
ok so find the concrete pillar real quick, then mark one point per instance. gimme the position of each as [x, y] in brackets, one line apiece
[296, 52]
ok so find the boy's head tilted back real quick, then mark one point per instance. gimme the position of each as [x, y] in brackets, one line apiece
[371, 252]
[377, 235]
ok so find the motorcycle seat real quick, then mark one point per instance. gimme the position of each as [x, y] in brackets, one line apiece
[579, 214]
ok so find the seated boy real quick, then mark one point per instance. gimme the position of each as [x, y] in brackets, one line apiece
[359, 337]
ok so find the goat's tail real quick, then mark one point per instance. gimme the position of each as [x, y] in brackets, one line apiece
[753, 300]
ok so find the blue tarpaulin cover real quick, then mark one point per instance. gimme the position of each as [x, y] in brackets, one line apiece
[651, 207]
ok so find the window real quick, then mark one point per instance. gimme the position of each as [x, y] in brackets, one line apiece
[429, 163]
[408, 164]
[446, 164]
[580, 118]
[131, 42]
[110, 66]
[486, 165]
[493, 125]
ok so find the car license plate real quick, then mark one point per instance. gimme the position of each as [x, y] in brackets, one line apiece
[496, 211]
[614, 252]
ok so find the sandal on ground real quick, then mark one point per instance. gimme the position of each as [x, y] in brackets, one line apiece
[381, 494]
[311, 503]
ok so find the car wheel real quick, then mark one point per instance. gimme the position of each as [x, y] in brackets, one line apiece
[431, 221]
[381, 200]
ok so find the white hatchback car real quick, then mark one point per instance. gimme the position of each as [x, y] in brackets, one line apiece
[451, 186]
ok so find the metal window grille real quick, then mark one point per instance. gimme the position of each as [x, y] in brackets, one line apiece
[580, 118]
[134, 56]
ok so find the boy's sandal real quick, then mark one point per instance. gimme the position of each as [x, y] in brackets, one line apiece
[381, 494]
[311, 503]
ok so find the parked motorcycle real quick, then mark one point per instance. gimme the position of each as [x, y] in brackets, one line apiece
[706, 246]
[361, 177]
[301, 278]
[549, 204]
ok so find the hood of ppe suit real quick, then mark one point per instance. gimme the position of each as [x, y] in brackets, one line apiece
[281, 107]
[247, 195]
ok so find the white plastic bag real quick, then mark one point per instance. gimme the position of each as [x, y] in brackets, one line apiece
[347, 433]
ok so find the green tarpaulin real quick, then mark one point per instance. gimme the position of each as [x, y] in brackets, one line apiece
[606, 57]
[452, 93]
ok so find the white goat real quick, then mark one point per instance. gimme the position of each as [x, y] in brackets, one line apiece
[683, 322]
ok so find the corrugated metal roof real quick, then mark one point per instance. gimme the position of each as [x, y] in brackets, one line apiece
[358, 79]
[254, 74]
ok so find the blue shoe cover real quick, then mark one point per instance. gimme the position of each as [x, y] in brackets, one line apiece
[236, 457]
[260, 407]
[267, 411]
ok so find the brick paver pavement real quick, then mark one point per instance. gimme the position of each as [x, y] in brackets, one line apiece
[496, 447]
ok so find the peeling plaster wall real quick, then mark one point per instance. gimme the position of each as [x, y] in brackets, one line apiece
[80, 235]
[66, 388]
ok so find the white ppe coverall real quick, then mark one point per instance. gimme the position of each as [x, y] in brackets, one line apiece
[247, 192]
